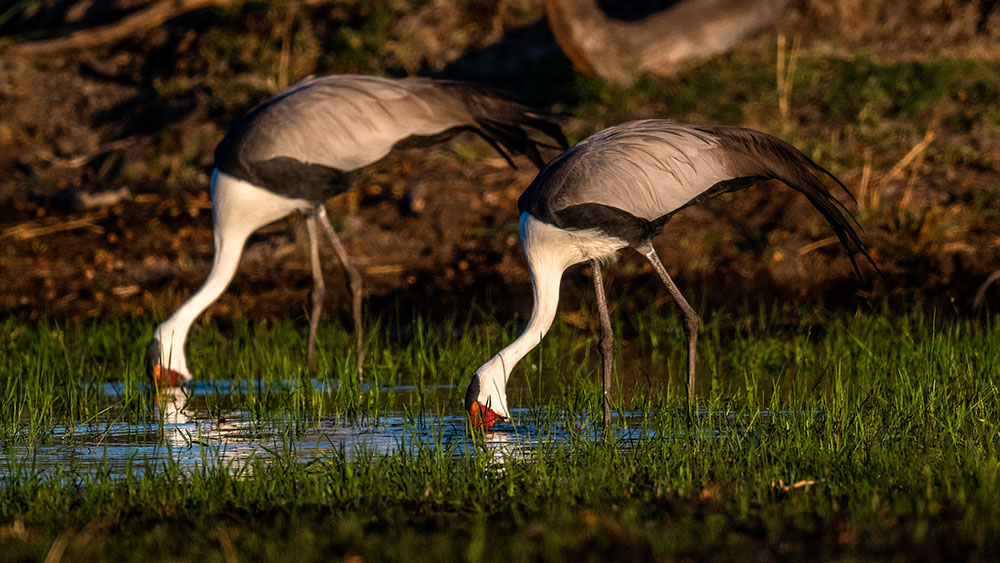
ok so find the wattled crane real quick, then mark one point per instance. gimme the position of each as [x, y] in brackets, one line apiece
[617, 189]
[307, 144]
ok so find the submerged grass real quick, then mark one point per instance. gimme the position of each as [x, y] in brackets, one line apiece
[817, 434]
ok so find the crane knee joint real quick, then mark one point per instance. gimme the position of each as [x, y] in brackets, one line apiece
[691, 324]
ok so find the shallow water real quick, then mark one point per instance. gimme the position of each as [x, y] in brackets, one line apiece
[191, 430]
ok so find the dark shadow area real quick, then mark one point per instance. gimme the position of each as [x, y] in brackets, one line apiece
[527, 63]
[633, 10]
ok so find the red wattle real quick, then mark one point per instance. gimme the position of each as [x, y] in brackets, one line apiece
[483, 417]
[166, 377]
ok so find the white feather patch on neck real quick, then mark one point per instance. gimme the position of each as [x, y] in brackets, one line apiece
[571, 246]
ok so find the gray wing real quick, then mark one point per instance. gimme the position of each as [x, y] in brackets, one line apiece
[647, 168]
[346, 122]
[634, 176]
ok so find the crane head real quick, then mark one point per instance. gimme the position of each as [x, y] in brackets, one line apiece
[485, 408]
[157, 371]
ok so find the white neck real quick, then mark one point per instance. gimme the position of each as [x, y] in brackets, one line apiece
[173, 333]
[549, 251]
[545, 280]
[238, 209]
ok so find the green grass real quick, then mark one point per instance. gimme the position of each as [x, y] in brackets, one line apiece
[862, 95]
[822, 434]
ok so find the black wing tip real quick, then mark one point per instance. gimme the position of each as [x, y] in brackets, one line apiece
[844, 213]
[505, 118]
[837, 215]
[497, 146]
[798, 171]
[857, 269]
[550, 128]
[513, 137]
[848, 236]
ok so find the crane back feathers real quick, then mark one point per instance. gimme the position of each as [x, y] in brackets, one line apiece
[630, 179]
[308, 141]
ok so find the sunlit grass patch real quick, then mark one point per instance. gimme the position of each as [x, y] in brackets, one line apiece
[816, 432]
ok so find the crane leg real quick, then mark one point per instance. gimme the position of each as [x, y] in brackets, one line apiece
[607, 342]
[690, 316]
[355, 281]
[319, 288]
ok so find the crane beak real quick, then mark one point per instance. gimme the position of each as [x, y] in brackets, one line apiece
[482, 417]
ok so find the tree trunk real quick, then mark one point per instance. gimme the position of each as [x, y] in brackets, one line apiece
[143, 20]
[622, 51]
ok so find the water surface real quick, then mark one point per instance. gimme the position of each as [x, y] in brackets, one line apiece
[195, 428]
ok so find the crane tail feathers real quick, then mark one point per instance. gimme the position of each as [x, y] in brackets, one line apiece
[512, 137]
[765, 155]
[496, 146]
[803, 178]
[508, 122]
[550, 128]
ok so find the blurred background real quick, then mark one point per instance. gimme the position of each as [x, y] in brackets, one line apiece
[110, 111]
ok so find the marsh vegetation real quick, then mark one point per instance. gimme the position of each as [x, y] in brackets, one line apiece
[836, 418]
[815, 434]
